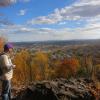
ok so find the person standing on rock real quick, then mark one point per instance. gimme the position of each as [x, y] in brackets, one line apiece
[6, 71]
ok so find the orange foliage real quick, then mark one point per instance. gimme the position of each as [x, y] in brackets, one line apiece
[72, 64]
[67, 67]
[37, 66]
[2, 41]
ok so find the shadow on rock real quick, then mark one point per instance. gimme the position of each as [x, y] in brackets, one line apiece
[59, 89]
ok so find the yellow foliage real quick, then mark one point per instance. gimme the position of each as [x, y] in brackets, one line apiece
[40, 65]
[21, 61]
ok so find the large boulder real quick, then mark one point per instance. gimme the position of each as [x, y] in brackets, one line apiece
[60, 89]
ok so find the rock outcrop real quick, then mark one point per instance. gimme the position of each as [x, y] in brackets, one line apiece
[60, 89]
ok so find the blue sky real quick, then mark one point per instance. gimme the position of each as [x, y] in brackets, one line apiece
[42, 20]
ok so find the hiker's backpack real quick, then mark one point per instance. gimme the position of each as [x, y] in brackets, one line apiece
[1, 71]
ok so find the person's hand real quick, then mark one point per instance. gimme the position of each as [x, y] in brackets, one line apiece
[14, 66]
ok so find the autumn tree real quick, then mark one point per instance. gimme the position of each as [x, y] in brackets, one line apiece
[21, 61]
[2, 42]
[97, 72]
[40, 65]
[68, 67]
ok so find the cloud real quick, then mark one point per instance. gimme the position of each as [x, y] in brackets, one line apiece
[5, 21]
[26, 33]
[4, 3]
[85, 10]
[25, 1]
[62, 23]
[80, 10]
[87, 2]
[22, 12]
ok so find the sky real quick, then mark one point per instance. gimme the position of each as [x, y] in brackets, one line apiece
[43, 20]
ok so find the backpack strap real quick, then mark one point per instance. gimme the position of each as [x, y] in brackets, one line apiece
[2, 53]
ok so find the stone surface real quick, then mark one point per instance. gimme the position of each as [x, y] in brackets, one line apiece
[60, 89]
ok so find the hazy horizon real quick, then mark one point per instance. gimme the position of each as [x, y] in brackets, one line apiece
[84, 40]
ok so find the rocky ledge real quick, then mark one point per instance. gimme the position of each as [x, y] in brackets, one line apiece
[60, 89]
